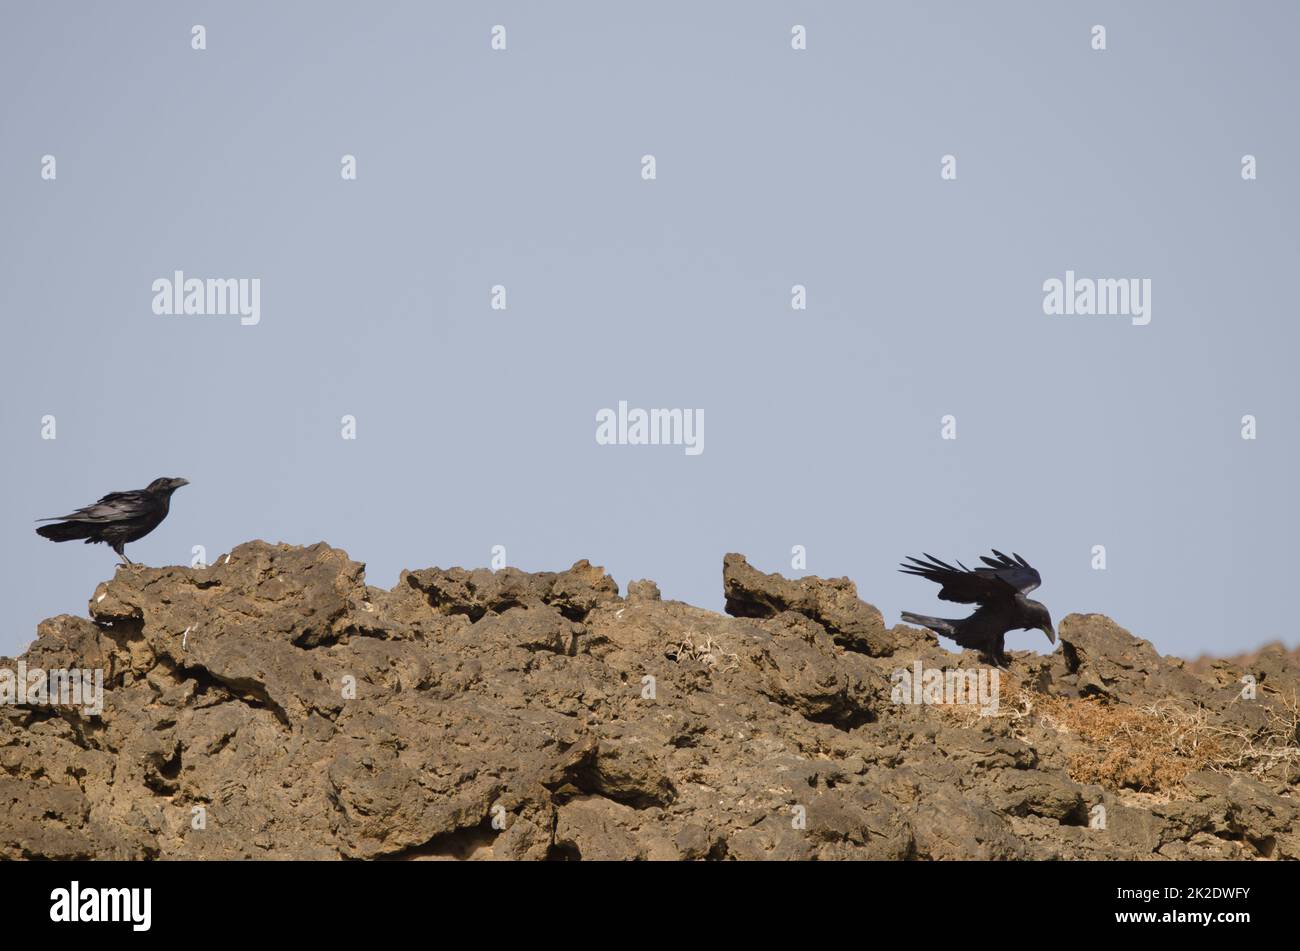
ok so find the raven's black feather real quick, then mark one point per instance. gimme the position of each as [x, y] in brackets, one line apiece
[999, 590]
[117, 518]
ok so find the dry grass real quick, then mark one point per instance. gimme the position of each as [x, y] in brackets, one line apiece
[1150, 748]
[1013, 704]
[1154, 747]
[710, 653]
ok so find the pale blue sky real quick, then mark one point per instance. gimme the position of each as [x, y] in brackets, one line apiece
[476, 427]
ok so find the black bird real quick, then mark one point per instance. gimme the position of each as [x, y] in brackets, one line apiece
[999, 590]
[117, 518]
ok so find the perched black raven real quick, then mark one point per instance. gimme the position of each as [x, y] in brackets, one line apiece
[117, 518]
[999, 590]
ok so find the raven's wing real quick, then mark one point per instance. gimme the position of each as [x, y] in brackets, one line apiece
[1000, 581]
[958, 584]
[111, 508]
[1015, 571]
[966, 637]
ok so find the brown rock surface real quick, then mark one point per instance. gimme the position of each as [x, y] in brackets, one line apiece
[275, 706]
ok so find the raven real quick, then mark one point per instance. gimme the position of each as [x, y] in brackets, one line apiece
[117, 518]
[999, 590]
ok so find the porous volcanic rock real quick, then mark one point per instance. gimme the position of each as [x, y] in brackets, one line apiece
[273, 705]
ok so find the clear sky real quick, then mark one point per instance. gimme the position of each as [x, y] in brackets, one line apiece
[774, 167]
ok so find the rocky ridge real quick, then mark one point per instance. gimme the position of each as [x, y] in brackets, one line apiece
[274, 705]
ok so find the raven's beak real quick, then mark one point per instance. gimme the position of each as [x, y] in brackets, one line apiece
[1051, 634]
[177, 483]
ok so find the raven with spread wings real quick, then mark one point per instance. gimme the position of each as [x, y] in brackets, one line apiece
[117, 518]
[998, 589]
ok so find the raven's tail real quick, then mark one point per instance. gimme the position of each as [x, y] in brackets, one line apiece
[936, 624]
[66, 531]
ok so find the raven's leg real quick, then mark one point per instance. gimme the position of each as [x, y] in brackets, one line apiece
[998, 649]
[117, 547]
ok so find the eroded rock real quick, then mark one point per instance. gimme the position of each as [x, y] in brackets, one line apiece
[273, 705]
